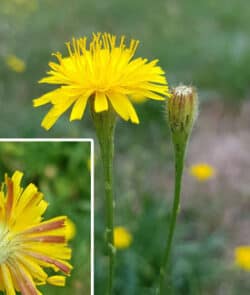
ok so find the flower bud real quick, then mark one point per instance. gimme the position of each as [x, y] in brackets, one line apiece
[182, 112]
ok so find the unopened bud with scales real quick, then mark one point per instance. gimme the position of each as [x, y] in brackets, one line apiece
[182, 110]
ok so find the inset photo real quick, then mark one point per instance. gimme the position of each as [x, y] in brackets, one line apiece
[45, 216]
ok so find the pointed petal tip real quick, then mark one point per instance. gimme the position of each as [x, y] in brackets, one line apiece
[137, 122]
[74, 119]
[36, 102]
[46, 126]
[101, 110]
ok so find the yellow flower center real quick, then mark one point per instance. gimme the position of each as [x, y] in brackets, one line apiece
[4, 243]
[8, 243]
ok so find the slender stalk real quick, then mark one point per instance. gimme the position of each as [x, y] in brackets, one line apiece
[105, 126]
[182, 109]
[107, 151]
[179, 163]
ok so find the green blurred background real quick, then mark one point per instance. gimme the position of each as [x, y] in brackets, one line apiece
[203, 43]
[61, 172]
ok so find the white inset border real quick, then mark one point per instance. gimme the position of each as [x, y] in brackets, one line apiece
[92, 202]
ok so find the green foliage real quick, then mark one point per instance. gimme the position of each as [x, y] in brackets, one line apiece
[61, 172]
[194, 267]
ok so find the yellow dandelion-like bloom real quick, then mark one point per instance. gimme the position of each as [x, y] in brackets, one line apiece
[105, 73]
[122, 237]
[202, 171]
[242, 257]
[27, 243]
[15, 63]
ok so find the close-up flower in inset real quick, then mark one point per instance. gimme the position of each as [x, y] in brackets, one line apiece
[28, 244]
[202, 171]
[104, 73]
[242, 257]
[122, 237]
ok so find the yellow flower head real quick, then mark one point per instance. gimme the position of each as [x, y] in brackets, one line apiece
[242, 257]
[28, 244]
[122, 237]
[202, 171]
[104, 73]
[15, 63]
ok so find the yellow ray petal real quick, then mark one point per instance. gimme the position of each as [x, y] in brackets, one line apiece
[33, 268]
[46, 98]
[123, 107]
[57, 281]
[27, 195]
[101, 103]
[79, 107]
[25, 281]
[55, 112]
[16, 178]
[7, 280]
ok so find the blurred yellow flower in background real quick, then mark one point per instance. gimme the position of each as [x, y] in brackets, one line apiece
[15, 63]
[122, 237]
[28, 244]
[104, 73]
[202, 171]
[242, 257]
[50, 171]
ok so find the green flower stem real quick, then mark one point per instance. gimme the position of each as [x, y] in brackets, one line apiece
[105, 126]
[179, 164]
